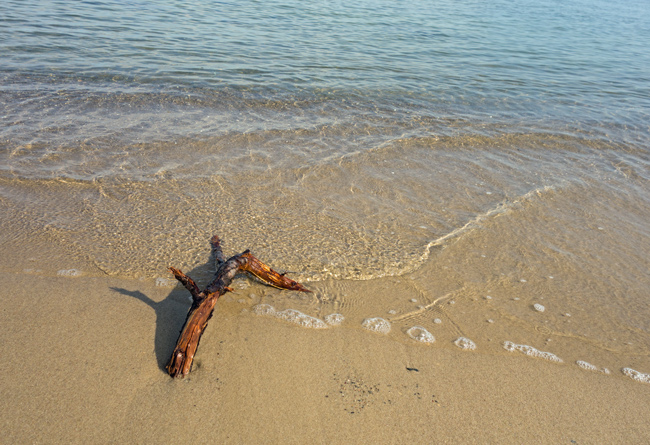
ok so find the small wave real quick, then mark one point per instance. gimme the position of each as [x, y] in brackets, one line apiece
[502, 207]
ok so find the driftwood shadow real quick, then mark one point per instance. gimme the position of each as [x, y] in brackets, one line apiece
[203, 304]
[171, 312]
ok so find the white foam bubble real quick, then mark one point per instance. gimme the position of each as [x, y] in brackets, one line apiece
[418, 333]
[334, 319]
[590, 367]
[538, 307]
[264, 309]
[165, 282]
[530, 351]
[69, 273]
[636, 375]
[587, 366]
[376, 324]
[290, 315]
[465, 343]
[304, 320]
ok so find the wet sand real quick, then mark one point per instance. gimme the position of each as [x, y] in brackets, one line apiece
[83, 360]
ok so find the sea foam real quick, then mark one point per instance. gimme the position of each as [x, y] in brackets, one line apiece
[590, 367]
[334, 319]
[636, 375]
[465, 343]
[418, 333]
[530, 351]
[290, 315]
[376, 324]
[69, 273]
[165, 282]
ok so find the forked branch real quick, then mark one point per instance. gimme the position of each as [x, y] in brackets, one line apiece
[203, 302]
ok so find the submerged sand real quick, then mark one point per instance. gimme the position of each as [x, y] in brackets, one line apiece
[83, 360]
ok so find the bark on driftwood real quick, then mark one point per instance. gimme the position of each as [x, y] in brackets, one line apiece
[203, 302]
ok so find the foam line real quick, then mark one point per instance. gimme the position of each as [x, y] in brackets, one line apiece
[531, 352]
[502, 207]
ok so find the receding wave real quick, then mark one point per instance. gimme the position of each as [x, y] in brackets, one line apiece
[377, 213]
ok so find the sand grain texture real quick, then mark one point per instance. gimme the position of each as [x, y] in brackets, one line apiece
[91, 370]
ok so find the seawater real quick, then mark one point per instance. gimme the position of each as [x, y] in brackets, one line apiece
[405, 161]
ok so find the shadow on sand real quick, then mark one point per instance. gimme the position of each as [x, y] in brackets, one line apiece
[172, 311]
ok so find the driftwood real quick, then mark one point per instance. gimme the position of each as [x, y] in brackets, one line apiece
[203, 302]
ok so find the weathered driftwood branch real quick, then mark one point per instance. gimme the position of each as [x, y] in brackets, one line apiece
[203, 302]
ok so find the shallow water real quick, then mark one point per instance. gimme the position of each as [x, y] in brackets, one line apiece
[438, 153]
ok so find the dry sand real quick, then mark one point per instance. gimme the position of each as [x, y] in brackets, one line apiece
[83, 362]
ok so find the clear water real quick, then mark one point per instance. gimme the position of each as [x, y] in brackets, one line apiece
[171, 69]
[343, 141]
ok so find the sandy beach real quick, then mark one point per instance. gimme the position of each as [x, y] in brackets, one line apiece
[83, 360]
[463, 187]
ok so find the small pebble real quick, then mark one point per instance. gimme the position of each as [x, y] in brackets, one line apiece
[538, 307]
